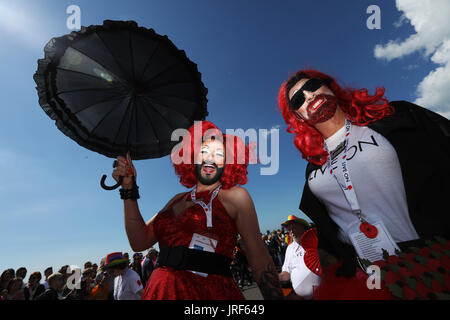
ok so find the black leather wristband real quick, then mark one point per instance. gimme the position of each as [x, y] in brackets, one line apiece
[132, 193]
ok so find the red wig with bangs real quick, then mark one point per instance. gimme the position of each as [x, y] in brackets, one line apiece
[360, 107]
[237, 155]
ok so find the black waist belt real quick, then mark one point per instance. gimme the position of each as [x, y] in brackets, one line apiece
[183, 258]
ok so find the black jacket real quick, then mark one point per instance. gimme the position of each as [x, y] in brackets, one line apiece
[49, 294]
[421, 139]
[40, 289]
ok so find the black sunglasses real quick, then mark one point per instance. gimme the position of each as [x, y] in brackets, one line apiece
[298, 99]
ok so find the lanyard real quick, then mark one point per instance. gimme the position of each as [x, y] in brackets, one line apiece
[206, 207]
[347, 186]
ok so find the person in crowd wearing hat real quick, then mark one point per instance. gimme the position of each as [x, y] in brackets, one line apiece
[376, 176]
[56, 284]
[33, 288]
[127, 283]
[303, 275]
[197, 230]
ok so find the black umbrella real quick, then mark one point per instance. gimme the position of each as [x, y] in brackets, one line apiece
[117, 87]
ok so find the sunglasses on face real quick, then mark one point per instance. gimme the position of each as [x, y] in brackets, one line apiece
[298, 99]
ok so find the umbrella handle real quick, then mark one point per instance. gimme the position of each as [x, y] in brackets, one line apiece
[104, 186]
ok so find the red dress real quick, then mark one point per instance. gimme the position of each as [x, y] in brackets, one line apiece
[167, 283]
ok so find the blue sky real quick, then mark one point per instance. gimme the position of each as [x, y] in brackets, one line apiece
[53, 211]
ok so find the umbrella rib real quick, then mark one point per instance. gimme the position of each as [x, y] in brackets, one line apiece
[137, 137]
[150, 120]
[148, 60]
[122, 121]
[85, 89]
[131, 54]
[164, 70]
[98, 102]
[172, 110]
[165, 120]
[133, 107]
[112, 55]
[98, 124]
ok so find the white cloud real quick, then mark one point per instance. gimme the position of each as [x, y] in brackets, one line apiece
[431, 22]
[400, 21]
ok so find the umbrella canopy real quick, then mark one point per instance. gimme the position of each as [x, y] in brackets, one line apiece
[117, 87]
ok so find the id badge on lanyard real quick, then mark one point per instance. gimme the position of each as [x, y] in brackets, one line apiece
[368, 238]
[201, 242]
[372, 248]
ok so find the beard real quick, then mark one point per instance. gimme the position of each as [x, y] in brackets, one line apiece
[208, 178]
[321, 109]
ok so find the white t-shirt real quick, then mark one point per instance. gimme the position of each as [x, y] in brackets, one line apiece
[302, 278]
[127, 286]
[376, 177]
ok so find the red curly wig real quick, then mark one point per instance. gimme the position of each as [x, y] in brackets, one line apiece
[237, 155]
[360, 107]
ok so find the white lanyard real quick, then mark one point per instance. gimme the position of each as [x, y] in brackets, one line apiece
[377, 236]
[347, 186]
[206, 207]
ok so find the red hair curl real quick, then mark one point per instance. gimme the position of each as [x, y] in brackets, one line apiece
[360, 107]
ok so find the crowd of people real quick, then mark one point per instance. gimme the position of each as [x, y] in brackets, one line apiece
[97, 282]
[276, 243]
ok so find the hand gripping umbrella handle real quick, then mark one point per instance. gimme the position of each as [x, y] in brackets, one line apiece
[118, 184]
